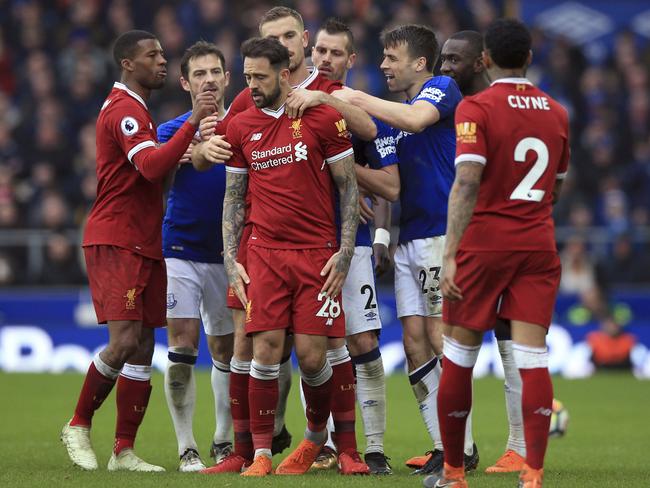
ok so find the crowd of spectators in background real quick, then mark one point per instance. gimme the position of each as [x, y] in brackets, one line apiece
[56, 69]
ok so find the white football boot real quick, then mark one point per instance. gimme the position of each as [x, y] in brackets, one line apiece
[190, 462]
[76, 439]
[127, 460]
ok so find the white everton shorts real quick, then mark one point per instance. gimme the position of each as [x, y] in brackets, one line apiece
[417, 277]
[359, 295]
[198, 291]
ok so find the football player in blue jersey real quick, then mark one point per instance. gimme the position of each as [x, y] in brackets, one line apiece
[196, 279]
[333, 54]
[426, 144]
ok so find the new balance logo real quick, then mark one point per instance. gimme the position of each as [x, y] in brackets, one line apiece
[300, 151]
[458, 414]
[546, 412]
[256, 136]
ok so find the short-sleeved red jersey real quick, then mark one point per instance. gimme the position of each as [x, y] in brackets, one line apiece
[128, 210]
[291, 190]
[521, 135]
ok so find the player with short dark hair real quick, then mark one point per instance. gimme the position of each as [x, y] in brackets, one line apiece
[461, 59]
[424, 131]
[500, 258]
[290, 169]
[123, 249]
[196, 279]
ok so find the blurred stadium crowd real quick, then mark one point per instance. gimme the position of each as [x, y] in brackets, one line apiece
[56, 69]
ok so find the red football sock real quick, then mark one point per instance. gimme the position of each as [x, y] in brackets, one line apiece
[241, 414]
[454, 404]
[132, 400]
[94, 391]
[263, 399]
[536, 405]
[343, 406]
[318, 400]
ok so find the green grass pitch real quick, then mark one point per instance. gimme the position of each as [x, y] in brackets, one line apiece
[606, 444]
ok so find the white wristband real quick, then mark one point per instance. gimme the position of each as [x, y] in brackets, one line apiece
[382, 236]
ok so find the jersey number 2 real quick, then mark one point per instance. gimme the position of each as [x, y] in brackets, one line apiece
[524, 190]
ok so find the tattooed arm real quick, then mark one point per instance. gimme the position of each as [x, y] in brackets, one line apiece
[462, 200]
[234, 209]
[338, 265]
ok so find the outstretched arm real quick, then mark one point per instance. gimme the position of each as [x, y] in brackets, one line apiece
[338, 265]
[233, 220]
[384, 181]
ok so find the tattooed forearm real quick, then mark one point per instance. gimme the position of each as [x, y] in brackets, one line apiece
[234, 208]
[346, 182]
[462, 200]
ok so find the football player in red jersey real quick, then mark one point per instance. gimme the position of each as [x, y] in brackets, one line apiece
[285, 25]
[289, 167]
[123, 248]
[500, 258]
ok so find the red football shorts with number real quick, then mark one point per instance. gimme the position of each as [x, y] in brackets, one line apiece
[231, 299]
[285, 289]
[126, 286]
[526, 283]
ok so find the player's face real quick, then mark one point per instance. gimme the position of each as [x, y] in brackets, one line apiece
[264, 81]
[330, 55]
[459, 63]
[205, 73]
[148, 65]
[291, 35]
[398, 67]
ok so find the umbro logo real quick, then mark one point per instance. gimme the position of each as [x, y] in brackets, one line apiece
[256, 136]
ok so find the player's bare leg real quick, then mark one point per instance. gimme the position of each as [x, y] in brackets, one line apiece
[316, 373]
[221, 351]
[513, 458]
[263, 396]
[180, 387]
[133, 393]
[424, 375]
[371, 395]
[100, 380]
[531, 357]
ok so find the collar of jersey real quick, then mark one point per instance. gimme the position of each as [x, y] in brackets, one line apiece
[274, 113]
[307, 81]
[518, 81]
[122, 86]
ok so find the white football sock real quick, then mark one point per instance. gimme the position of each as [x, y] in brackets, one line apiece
[220, 379]
[424, 382]
[512, 386]
[180, 392]
[371, 396]
[284, 386]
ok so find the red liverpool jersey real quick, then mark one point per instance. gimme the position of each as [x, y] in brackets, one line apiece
[521, 135]
[128, 210]
[292, 192]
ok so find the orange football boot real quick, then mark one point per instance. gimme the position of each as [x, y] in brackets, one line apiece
[416, 462]
[351, 463]
[531, 478]
[510, 462]
[300, 460]
[261, 466]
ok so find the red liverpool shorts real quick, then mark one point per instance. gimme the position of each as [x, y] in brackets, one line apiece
[126, 286]
[524, 282]
[231, 299]
[284, 293]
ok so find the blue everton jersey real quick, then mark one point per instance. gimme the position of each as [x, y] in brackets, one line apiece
[426, 164]
[378, 153]
[192, 223]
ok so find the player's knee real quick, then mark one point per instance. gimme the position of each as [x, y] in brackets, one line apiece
[362, 343]
[221, 347]
[311, 362]
[413, 345]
